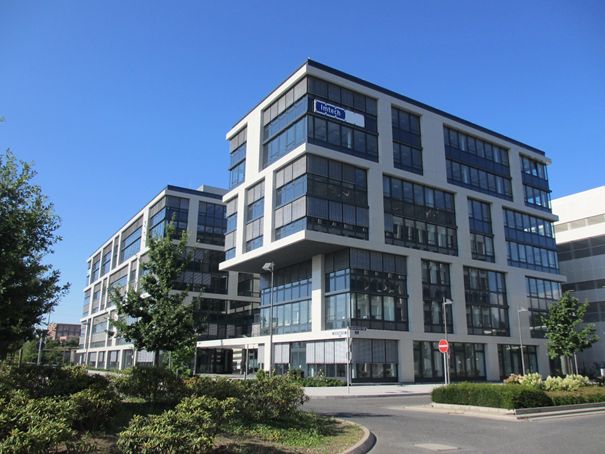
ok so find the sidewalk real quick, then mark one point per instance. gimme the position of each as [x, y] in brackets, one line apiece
[369, 391]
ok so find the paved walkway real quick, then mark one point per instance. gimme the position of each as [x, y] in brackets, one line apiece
[369, 391]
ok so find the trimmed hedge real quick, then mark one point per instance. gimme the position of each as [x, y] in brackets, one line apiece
[587, 395]
[490, 395]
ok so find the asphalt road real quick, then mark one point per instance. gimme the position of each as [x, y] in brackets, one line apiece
[399, 430]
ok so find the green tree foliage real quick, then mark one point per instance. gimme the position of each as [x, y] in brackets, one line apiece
[29, 288]
[156, 318]
[563, 331]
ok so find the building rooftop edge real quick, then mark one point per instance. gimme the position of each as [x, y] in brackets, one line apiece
[394, 94]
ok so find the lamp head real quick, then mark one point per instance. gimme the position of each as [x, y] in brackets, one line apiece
[269, 266]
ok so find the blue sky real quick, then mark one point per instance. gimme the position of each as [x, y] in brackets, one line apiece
[113, 100]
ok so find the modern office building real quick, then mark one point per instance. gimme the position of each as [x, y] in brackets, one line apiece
[229, 300]
[63, 331]
[363, 208]
[581, 244]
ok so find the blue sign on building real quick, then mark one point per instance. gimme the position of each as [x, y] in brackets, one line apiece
[339, 113]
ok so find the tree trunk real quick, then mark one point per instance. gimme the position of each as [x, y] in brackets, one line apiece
[156, 358]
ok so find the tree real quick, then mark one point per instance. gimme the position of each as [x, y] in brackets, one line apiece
[156, 318]
[563, 331]
[28, 225]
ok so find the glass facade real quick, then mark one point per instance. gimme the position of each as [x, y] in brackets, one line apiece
[248, 285]
[223, 318]
[255, 199]
[320, 194]
[482, 236]
[374, 360]
[106, 260]
[201, 274]
[535, 183]
[211, 223]
[588, 247]
[294, 119]
[530, 241]
[96, 267]
[419, 216]
[230, 230]
[168, 209]
[509, 359]
[541, 293]
[467, 361]
[291, 300]
[237, 164]
[407, 144]
[436, 288]
[365, 289]
[477, 164]
[486, 303]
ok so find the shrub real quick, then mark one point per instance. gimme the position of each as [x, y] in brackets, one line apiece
[270, 398]
[190, 427]
[36, 425]
[534, 380]
[571, 382]
[45, 381]
[319, 380]
[581, 396]
[219, 388]
[513, 379]
[489, 395]
[94, 408]
[155, 384]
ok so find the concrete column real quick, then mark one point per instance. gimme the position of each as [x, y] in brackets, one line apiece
[317, 293]
[415, 303]
[492, 368]
[405, 355]
[543, 362]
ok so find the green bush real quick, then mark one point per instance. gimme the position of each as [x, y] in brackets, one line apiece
[586, 395]
[94, 408]
[36, 425]
[155, 384]
[488, 395]
[319, 380]
[267, 398]
[270, 398]
[46, 381]
[190, 427]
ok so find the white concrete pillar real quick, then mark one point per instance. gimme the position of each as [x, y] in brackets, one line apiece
[492, 368]
[317, 293]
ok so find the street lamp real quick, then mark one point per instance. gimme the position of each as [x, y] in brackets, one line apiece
[521, 309]
[270, 267]
[446, 363]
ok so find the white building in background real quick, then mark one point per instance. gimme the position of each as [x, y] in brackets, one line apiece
[229, 300]
[371, 209]
[581, 244]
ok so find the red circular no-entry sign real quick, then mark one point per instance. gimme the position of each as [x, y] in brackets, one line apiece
[444, 346]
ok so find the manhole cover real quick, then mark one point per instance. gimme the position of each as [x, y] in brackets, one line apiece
[436, 447]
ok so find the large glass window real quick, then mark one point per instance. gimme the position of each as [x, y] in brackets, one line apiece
[248, 285]
[535, 183]
[467, 361]
[230, 231]
[509, 358]
[96, 267]
[419, 216]
[223, 318]
[291, 295]
[237, 164]
[321, 194]
[374, 360]
[211, 223]
[482, 237]
[169, 209]
[541, 293]
[255, 198]
[366, 289]
[530, 241]
[587, 247]
[436, 288]
[106, 260]
[486, 304]
[201, 274]
[407, 146]
[131, 240]
[477, 164]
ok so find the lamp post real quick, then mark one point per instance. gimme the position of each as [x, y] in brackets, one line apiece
[270, 266]
[446, 362]
[521, 309]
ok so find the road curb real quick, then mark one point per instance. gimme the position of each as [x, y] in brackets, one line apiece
[524, 413]
[364, 445]
[355, 396]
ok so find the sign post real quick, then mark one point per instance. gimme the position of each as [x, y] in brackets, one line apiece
[444, 347]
